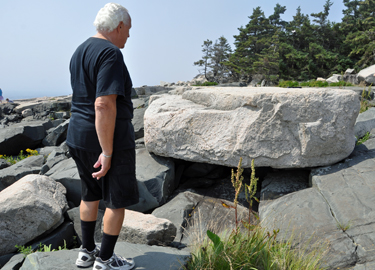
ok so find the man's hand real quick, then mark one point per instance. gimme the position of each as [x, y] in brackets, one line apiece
[105, 162]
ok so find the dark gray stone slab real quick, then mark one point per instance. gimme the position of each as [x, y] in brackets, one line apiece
[22, 135]
[145, 257]
[307, 215]
[178, 210]
[30, 165]
[137, 122]
[157, 173]
[57, 136]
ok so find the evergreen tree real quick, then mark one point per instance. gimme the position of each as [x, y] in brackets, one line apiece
[214, 60]
[294, 49]
[361, 40]
[249, 43]
[221, 51]
[205, 61]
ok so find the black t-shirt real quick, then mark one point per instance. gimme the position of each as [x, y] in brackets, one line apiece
[97, 69]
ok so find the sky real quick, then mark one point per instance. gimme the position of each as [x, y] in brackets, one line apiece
[40, 36]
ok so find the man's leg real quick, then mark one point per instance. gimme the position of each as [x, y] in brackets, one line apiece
[88, 214]
[113, 219]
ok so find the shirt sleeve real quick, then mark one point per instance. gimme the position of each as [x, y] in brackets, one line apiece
[110, 79]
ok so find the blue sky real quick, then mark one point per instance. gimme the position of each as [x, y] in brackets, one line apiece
[39, 37]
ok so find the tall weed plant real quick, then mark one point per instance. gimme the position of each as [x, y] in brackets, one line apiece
[249, 246]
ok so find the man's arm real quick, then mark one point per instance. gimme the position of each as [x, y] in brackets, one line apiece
[105, 120]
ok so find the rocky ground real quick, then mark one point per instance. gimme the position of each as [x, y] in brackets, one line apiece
[333, 204]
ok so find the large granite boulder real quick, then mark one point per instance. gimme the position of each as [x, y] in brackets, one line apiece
[29, 208]
[280, 128]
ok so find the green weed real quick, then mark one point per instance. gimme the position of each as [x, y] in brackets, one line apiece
[41, 248]
[21, 156]
[363, 139]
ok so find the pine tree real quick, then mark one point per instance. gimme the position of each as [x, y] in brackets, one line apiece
[205, 61]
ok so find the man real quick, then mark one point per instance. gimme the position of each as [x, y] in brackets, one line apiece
[101, 135]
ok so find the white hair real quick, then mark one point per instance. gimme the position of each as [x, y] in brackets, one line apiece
[109, 17]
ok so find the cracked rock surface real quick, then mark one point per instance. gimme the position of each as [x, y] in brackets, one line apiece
[337, 210]
[279, 128]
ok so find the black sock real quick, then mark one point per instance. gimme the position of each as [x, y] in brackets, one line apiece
[108, 246]
[88, 231]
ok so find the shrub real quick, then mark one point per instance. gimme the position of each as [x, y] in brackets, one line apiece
[340, 83]
[286, 84]
[206, 84]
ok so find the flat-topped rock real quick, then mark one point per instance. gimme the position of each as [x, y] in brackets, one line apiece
[277, 127]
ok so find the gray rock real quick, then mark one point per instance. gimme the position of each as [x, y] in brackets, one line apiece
[57, 136]
[334, 78]
[280, 183]
[349, 71]
[138, 103]
[306, 216]
[147, 229]
[62, 115]
[365, 123]
[75, 218]
[146, 200]
[61, 237]
[348, 189]
[30, 165]
[287, 128]
[367, 75]
[57, 122]
[66, 173]
[14, 263]
[157, 173]
[27, 112]
[146, 257]
[140, 143]
[29, 208]
[22, 135]
[52, 160]
[351, 78]
[178, 211]
[47, 150]
[365, 266]
[179, 90]
[4, 164]
[137, 122]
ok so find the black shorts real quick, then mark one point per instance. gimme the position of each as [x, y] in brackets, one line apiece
[118, 188]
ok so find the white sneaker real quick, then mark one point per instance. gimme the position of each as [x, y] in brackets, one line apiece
[115, 262]
[86, 258]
